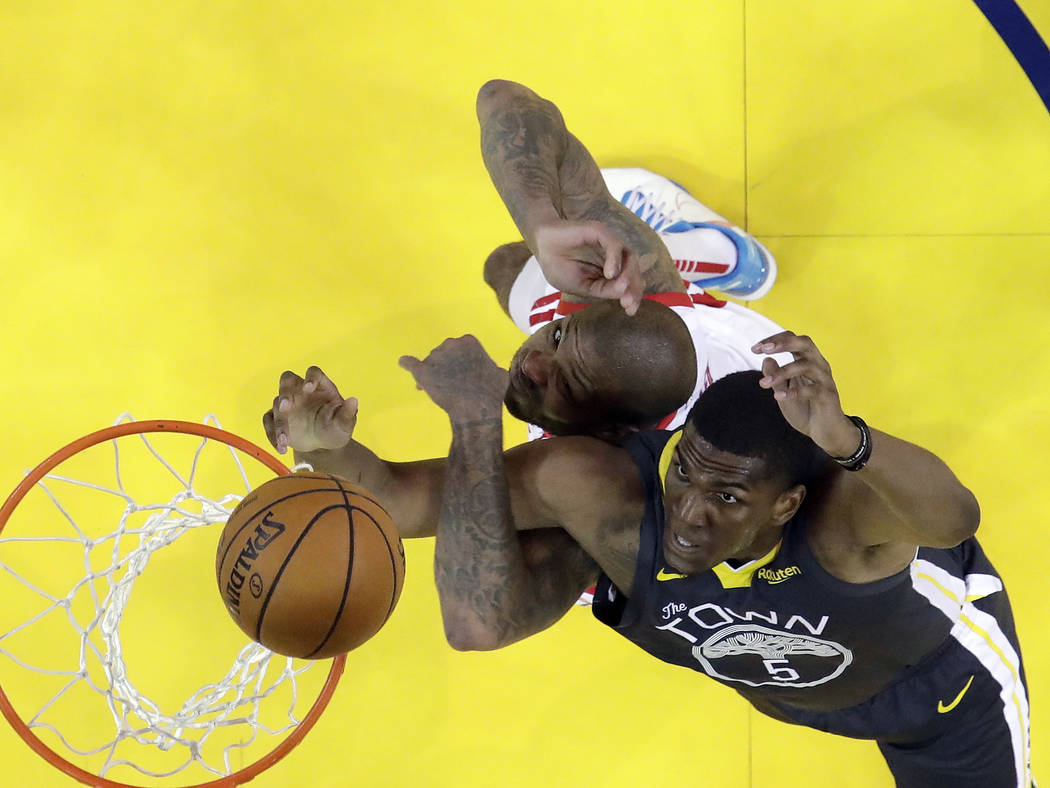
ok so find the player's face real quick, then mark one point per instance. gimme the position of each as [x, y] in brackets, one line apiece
[718, 506]
[552, 383]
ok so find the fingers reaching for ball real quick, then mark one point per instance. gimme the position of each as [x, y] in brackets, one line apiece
[309, 414]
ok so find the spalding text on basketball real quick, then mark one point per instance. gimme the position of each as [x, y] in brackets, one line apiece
[265, 532]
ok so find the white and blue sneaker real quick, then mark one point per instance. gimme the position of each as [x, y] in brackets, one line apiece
[695, 235]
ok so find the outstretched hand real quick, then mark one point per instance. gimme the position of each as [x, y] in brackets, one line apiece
[461, 379]
[806, 393]
[309, 414]
[587, 259]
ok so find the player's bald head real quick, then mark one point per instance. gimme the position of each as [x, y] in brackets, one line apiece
[617, 373]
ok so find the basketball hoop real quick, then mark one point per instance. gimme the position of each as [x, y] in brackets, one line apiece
[226, 719]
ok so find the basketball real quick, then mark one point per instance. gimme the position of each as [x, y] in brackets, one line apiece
[310, 565]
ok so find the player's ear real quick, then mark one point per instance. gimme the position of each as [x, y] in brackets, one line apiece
[787, 503]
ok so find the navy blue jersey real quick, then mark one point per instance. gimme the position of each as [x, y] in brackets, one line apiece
[808, 648]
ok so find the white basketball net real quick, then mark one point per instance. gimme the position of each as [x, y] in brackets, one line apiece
[233, 700]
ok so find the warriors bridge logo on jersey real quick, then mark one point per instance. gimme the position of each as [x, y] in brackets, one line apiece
[778, 652]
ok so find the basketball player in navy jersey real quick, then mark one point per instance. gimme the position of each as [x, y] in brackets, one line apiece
[825, 570]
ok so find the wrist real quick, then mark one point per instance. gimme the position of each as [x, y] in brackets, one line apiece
[320, 452]
[539, 216]
[858, 458]
[478, 413]
[476, 420]
[844, 440]
[315, 458]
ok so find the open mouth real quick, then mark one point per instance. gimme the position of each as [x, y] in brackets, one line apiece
[685, 555]
[685, 547]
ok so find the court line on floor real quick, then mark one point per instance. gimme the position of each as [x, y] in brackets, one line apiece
[1023, 41]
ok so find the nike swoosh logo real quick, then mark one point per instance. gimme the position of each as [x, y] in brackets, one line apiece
[665, 575]
[945, 709]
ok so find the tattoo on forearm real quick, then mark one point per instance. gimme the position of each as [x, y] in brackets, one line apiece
[532, 159]
[521, 146]
[658, 269]
[482, 573]
[585, 197]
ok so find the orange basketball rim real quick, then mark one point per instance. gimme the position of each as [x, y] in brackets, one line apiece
[208, 433]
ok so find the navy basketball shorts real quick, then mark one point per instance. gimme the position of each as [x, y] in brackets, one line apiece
[959, 719]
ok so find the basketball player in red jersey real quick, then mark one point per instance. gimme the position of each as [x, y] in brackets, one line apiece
[594, 243]
[604, 371]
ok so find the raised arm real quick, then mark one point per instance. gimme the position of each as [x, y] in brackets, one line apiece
[497, 586]
[586, 241]
[903, 497]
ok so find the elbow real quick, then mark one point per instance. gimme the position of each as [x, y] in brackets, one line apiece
[467, 638]
[970, 517]
[964, 523]
[503, 266]
[496, 93]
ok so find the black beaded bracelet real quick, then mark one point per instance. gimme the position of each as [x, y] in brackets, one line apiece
[860, 457]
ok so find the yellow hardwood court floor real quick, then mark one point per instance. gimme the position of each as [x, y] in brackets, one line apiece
[196, 197]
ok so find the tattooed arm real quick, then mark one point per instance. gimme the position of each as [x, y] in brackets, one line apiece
[557, 198]
[495, 586]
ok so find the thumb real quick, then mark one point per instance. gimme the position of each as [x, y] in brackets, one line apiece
[769, 366]
[346, 416]
[413, 365]
[630, 303]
